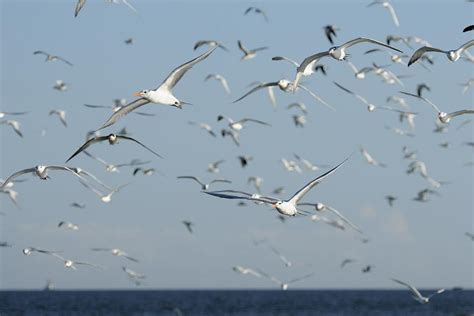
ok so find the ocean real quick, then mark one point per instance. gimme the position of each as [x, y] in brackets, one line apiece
[232, 302]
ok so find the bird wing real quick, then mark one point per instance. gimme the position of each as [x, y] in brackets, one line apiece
[192, 178]
[260, 48]
[64, 60]
[466, 46]
[410, 287]
[468, 28]
[420, 51]
[424, 99]
[87, 144]
[344, 219]
[220, 180]
[252, 120]
[245, 196]
[367, 40]
[393, 14]
[89, 264]
[298, 195]
[256, 88]
[461, 112]
[124, 111]
[101, 249]
[437, 292]
[316, 97]
[242, 47]
[309, 61]
[79, 5]
[16, 174]
[139, 143]
[131, 258]
[277, 58]
[174, 77]
[97, 106]
[40, 52]
[129, 5]
[300, 278]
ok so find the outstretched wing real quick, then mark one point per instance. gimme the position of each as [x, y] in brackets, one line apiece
[87, 144]
[124, 111]
[422, 50]
[256, 88]
[139, 143]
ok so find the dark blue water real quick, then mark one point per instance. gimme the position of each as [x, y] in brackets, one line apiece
[209, 303]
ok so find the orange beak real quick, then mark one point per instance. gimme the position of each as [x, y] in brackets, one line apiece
[137, 94]
[274, 205]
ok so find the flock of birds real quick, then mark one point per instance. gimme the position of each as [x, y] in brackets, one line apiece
[286, 208]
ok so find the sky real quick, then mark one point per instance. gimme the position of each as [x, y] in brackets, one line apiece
[422, 243]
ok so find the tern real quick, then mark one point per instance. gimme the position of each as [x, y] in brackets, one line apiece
[61, 114]
[146, 172]
[466, 86]
[284, 285]
[39, 170]
[204, 186]
[70, 264]
[249, 53]
[106, 198]
[359, 74]
[50, 57]
[213, 167]
[308, 165]
[370, 107]
[13, 195]
[320, 207]
[257, 182]
[205, 127]
[393, 57]
[233, 134]
[285, 86]
[395, 38]
[389, 7]
[422, 196]
[390, 199]
[116, 252]
[238, 125]
[298, 105]
[134, 276]
[14, 124]
[245, 271]
[210, 43]
[290, 165]
[221, 79]
[124, 2]
[284, 207]
[68, 225]
[338, 53]
[189, 226]
[416, 295]
[79, 5]
[330, 31]
[453, 55]
[60, 85]
[112, 139]
[257, 11]
[370, 160]
[162, 94]
[398, 100]
[29, 250]
[443, 117]
[346, 261]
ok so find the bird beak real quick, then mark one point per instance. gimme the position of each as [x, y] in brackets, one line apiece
[274, 205]
[137, 94]
[185, 103]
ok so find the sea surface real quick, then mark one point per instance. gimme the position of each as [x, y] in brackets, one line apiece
[230, 302]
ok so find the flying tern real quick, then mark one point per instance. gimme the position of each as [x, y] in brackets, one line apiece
[210, 43]
[204, 186]
[68, 225]
[61, 114]
[256, 11]
[116, 252]
[284, 285]
[238, 125]
[386, 4]
[50, 57]
[453, 55]
[162, 94]
[416, 295]
[249, 53]
[14, 124]
[221, 79]
[320, 207]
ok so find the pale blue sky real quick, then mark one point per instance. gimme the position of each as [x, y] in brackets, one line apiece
[423, 243]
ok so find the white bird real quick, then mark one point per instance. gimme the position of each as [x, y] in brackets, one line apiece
[213, 167]
[221, 79]
[285, 86]
[50, 57]
[443, 117]
[14, 124]
[134, 276]
[410, 118]
[290, 165]
[249, 53]
[370, 160]
[320, 207]
[68, 225]
[299, 120]
[204, 186]
[393, 57]
[162, 94]
[284, 285]
[389, 7]
[106, 198]
[112, 139]
[308, 165]
[61, 114]
[210, 43]
[359, 73]
[60, 85]
[416, 295]
[116, 252]
[245, 271]
[310, 69]
[338, 53]
[257, 11]
[13, 195]
[29, 250]
[146, 172]
[281, 256]
[453, 55]
[370, 107]
[466, 86]
[257, 182]
[398, 100]
[284, 207]
[238, 125]
[70, 264]
[39, 170]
